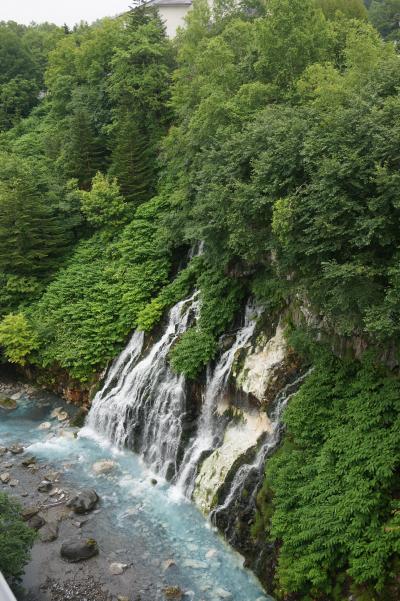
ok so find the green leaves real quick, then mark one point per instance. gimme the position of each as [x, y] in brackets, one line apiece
[17, 338]
[16, 539]
[334, 484]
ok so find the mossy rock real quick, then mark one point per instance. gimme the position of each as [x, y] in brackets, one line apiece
[78, 420]
[8, 404]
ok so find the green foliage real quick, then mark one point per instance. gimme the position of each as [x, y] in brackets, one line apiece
[103, 206]
[193, 351]
[343, 436]
[384, 14]
[17, 338]
[86, 313]
[16, 539]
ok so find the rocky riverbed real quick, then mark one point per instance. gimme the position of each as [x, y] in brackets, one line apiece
[136, 544]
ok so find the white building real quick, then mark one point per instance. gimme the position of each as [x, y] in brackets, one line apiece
[172, 12]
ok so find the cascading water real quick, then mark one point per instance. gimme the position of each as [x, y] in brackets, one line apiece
[142, 403]
[208, 433]
[247, 480]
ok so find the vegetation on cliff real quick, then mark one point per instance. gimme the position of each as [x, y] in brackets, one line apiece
[269, 132]
[16, 539]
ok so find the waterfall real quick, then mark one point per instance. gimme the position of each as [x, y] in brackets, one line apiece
[249, 476]
[142, 403]
[208, 433]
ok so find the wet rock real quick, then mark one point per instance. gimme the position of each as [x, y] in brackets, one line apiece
[83, 501]
[56, 412]
[8, 404]
[49, 532]
[3, 451]
[62, 416]
[28, 461]
[103, 467]
[44, 426]
[16, 396]
[45, 486]
[36, 522]
[14, 483]
[16, 449]
[116, 569]
[223, 594]
[174, 593]
[153, 482]
[52, 476]
[195, 564]
[211, 553]
[168, 563]
[29, 512]
[79, 550]
[5, 477]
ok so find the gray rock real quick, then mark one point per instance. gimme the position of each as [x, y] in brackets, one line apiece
[79, 550]
[116, 569]
[223, 594]
[28, 461]
[49, 532]
[29, 512]
[16, 449]
[36, 522]
[3, 451]
[103, 467]
[5, 477]
[83, 501]
[45, 486]
[14, 483]
[52, 476]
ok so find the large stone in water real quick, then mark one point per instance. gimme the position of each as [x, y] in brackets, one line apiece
[173, 592]
[28, 461]
[16, 449]
[8, 404]
[44, 426]
[5, 478]
[79, 550]
[103, 467]
[83, 501]
[45, 486]
[116, 569]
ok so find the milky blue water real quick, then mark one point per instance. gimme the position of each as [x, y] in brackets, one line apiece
[145, 516]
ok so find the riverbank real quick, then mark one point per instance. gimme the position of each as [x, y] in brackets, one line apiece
[164, 546]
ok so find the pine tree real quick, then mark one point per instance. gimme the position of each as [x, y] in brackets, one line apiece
[133, 162]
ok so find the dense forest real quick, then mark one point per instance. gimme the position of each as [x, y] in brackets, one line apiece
[268, 131]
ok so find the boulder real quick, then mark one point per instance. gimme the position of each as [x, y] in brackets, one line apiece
[174, 593]
[79, 550]
[8, 404]
[83, 501]
[49, 532]
[45, 486]
[103, 467]
[29, 512]
[14, 483]
[5, 478]
[44, 426]
[52, 476]
[28, 461]
[3, 451]
[16, 449]
[36, 522]
[116, 569]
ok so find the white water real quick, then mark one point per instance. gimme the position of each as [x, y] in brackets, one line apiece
[207, 434]
[239, 481]
[143, 402]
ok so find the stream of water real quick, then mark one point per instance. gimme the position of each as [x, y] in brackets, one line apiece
[143, 516]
